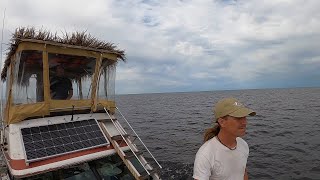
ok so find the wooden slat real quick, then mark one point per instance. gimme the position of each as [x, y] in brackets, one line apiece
[145, 175]
[119, 137]
[129, 154]
[118, 149]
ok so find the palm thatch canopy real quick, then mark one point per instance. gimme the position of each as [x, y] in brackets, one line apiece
[79, 39]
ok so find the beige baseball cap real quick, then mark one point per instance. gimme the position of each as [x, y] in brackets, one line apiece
[231, 107]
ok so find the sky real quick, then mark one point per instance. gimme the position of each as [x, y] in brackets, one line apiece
[189, 45]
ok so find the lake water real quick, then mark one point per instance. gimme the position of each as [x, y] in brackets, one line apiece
[284, 137]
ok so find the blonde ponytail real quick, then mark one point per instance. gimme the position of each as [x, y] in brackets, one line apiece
[211, 132]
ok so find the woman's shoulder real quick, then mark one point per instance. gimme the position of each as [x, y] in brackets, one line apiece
[208, 145]
[241, 143]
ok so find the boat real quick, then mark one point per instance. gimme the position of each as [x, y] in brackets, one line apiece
[80, 136]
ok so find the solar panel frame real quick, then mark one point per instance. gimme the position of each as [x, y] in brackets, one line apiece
[47, 141]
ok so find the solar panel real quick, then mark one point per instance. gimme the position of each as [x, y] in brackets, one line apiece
[57, 139]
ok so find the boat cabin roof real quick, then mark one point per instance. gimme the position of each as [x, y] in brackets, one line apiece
[75, 40]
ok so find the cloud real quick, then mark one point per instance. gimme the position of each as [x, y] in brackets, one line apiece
[189, 45]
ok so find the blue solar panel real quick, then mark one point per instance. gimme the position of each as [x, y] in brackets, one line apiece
[57, 139]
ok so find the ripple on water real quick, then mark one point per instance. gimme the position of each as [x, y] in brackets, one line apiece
[294, 149]
[284, 133]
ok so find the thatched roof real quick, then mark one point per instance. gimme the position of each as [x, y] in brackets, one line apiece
[79, 39]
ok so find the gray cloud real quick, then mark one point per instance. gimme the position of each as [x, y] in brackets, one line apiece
[192, 45]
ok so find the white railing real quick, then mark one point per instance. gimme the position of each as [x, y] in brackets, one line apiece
[120, 130]
[139, 138]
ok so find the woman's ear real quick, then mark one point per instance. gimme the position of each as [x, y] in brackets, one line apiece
[221, 122]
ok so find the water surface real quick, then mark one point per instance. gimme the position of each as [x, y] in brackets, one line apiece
[284, 137]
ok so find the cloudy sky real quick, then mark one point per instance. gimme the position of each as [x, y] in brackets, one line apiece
[190, 45]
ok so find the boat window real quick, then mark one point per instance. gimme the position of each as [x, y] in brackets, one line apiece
[79, 172]
[6, 87]
[47, 176]
[107, 80]
[8, 82]
[27, 77]
[70, 76]
[112, 167]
